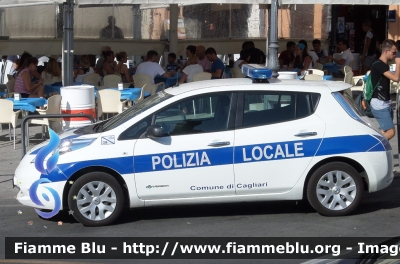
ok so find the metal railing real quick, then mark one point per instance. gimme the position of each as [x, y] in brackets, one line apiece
[23, 124]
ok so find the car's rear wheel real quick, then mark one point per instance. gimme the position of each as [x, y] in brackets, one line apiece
[96, 199]
[335, 189]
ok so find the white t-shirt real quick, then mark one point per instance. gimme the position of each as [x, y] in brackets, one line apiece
[192, 70]
[313, 55]
[348, 56]
[369, 34]
[79, 78]
[151, 68]
[236, 64]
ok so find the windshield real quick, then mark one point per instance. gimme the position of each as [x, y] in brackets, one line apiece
[135, 110]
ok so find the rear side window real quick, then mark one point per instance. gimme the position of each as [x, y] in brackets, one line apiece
[275, 107]
[198, 114]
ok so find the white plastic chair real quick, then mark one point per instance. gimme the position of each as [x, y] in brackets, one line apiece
[348, 77]
[317, 72]
[313, 77]
[8, 116]
[347, 69]
[318, 66]
[140, 79]
[10, 87]
[111, 80]
[236, 73]
[53, 107]
[91, 78]
[55, 79]
[110, 102]
[202, 76]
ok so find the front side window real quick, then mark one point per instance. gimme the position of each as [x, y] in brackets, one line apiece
[274, 107]
[200, 114]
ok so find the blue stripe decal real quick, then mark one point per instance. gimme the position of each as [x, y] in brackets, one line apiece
[122, 165]
[226, 155]
[385, 142]
[183, 159]
[349, 144]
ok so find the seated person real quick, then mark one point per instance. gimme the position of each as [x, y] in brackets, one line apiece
[121, 67]
[84, 69]
[310, 53]
[152, 68]
[302, 61]
[287, 56]
[347, 57]
[52, 70]
[172, 65]
[109, 62]
[202, 59]
[190, 70]
[23, 84]
[217, 66]
[321, 53]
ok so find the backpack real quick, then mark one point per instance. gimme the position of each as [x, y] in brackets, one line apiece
[364, 98]
[368, 87]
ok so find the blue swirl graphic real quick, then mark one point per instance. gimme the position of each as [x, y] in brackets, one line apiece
[45, 151]
[50, 165]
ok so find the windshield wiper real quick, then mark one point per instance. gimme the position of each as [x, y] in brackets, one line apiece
[98, 127]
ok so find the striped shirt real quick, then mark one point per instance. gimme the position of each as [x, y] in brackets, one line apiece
[19, 86]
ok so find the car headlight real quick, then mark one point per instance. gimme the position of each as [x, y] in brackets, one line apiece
[68, 145]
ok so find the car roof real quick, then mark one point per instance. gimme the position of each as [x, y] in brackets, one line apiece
[275, 84]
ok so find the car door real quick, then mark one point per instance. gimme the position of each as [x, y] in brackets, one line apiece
[194, 157]
[277, 137]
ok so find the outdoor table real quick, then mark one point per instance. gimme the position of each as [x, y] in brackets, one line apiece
[129, 93]
[28, 104]
[331, 67]
[55, 87]
[169, 82]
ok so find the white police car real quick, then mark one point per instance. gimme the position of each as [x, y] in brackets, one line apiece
[213, 141]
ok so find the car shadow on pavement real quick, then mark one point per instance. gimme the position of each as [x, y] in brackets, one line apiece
[372, 202]
[214, 210]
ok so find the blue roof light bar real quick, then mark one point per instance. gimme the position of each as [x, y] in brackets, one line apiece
[257, 72]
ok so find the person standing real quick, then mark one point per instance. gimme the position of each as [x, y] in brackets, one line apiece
[111, 31]
[368, 55]
[381, 75]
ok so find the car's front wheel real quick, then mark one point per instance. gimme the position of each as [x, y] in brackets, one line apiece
[96, 199]
[335, 189]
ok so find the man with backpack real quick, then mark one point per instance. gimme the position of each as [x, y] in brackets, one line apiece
[381, 104]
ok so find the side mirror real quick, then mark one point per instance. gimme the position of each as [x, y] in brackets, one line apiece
[154, 131]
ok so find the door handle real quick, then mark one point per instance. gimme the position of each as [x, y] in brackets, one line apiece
[306, 134]
[219, 144]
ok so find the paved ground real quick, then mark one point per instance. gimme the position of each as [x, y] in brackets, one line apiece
[378, 216]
